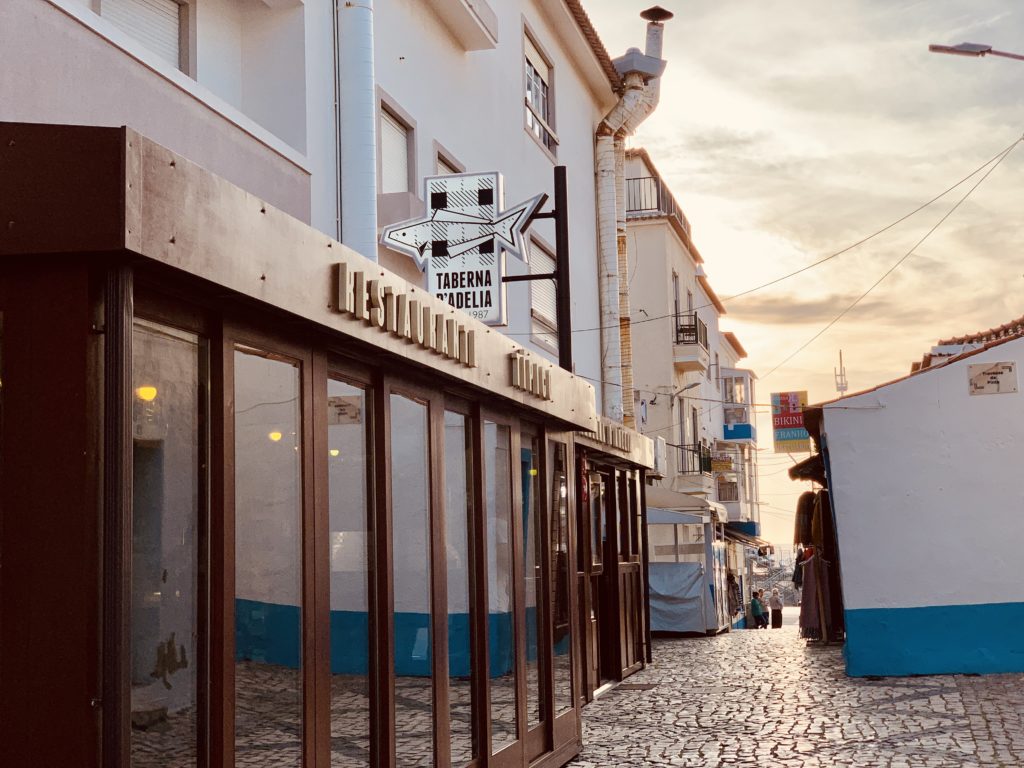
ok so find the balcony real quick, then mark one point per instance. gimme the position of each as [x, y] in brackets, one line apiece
[648, 195]
[740, 432]
[694, 460]
[690, 352]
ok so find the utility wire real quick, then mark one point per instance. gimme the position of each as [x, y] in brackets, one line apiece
[902, 259]
[997, 157]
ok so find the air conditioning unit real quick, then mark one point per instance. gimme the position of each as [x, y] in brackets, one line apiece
[660, 456]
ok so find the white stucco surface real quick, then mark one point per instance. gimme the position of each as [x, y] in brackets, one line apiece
[928, 489]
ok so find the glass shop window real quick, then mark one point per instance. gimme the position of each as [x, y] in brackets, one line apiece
[268, 559]
[348, 421]
[169, 446]
[410, 489]
[458, 476]
[597, 521]
[533, 577]
[500, 619]
[558, 478]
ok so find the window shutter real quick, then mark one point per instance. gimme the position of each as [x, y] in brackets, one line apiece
[394, 155]
[154, 23]
[444, 168]
[538, 62]
[542, 292]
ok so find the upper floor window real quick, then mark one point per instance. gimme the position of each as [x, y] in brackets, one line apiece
[445, 167]
[156, 24]
[394, 153]
[718, 373]
[543, 301]
[539, 96]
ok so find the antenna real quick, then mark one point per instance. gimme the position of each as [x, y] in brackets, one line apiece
[840, 374]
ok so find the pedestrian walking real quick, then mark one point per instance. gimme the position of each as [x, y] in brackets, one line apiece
[764, 609]
[775, 603]
[756, 609]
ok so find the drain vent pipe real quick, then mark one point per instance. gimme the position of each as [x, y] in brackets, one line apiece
[641, 74]
[357, 121]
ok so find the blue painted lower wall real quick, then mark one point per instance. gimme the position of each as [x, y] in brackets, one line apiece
[269, 633]
[935, 640]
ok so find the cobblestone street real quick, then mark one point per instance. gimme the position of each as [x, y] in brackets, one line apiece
[765, 698]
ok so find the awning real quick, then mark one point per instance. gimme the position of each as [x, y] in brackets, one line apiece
[812, 468]
[745, 538]
[658, 516]
[663, 498]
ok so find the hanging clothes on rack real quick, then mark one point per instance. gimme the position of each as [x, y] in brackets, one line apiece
[814, 617]
[802, 533]
[798, 572]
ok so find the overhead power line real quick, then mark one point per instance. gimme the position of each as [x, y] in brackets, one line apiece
[895, 266]
[995, 158]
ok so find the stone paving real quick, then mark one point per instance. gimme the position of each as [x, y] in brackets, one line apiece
[765, 698]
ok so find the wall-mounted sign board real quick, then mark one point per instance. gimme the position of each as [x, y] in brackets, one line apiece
[788, 422]
[992, 378]
[461, 241]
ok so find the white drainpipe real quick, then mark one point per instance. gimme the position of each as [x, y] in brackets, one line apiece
[357, 121]
[638, 100]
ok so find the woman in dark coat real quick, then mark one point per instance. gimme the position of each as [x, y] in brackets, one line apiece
[775, 603]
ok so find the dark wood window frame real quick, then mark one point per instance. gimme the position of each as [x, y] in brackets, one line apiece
[171, 303]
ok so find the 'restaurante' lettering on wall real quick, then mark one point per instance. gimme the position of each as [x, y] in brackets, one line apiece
[378, 304]
[530, 376]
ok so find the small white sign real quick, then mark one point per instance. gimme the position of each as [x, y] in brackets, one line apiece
[461, 241]
[992, 378]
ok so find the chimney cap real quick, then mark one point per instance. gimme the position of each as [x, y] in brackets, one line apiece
[657, 14]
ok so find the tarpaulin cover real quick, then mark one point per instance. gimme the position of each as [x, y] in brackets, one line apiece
[677, 597]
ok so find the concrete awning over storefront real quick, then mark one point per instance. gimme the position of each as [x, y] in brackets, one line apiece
[658, 516]
[663, 498]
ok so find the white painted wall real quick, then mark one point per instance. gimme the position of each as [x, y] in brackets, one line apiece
[472, 103]
[656, 252]
[928, 491]
[61, 63]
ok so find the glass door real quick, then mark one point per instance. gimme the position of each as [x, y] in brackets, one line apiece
[536, 576]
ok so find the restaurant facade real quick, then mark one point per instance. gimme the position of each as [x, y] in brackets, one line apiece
[266, 503]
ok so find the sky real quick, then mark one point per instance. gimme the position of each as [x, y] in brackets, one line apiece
[791, 129]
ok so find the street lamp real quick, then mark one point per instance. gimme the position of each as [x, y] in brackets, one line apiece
[691, 385]
[972, 49]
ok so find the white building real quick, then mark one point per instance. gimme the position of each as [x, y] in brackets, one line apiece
[923, 473]
[333, 112]
[690, 390]
[268, 96]
[689, 385]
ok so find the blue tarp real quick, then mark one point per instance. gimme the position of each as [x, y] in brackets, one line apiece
[677, 597]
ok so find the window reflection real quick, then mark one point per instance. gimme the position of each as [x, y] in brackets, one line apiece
[560, 564]
[410, 509]
[500, 625]
[458, 471]
[268, 573]
[347, 424]
[533, 582]
[168, 506]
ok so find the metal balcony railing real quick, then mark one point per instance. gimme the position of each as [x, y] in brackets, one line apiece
[690, 329]
[648, 194]
[695, 460]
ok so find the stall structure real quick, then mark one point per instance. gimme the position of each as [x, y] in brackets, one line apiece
[689, 565]
[274, 504]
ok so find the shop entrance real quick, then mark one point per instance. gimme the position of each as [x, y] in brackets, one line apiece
[611, 578]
